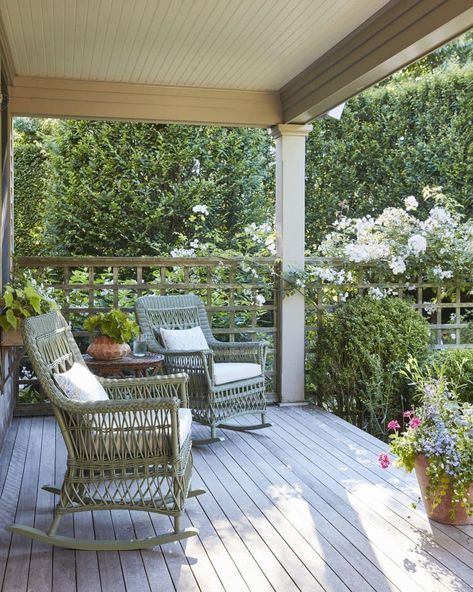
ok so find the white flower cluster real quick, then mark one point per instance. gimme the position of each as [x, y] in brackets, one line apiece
[398, 242]
[183, 253]
[417, 244]
[260, 299]
[441, 274]
[380, 293]
[332, 276]
[263, 235]
[201, 209]
[410, 203]
[397, 265]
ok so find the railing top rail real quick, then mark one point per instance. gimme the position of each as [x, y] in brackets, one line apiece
[93, 261]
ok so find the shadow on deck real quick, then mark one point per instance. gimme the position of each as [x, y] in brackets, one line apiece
[301, 506]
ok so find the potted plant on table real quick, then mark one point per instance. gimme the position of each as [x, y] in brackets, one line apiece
[438, 443]
[113, 330]
[22, 298]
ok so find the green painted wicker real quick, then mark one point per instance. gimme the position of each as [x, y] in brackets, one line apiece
[211, 405]
[123, 453]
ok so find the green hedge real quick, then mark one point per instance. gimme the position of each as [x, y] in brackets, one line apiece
[31, 178]
[360, 349]
[391, 142]
[128, 188]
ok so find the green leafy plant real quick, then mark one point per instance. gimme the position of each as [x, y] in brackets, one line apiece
[360, 349]
[114, 324]
[21, 299]
[456, 367]
[441, 429]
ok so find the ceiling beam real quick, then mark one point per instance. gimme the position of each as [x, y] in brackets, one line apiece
[51, 97]
[400, 33]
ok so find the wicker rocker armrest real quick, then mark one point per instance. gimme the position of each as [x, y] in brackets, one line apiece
[241, 351]
[150, 387]
[124, 429]
[186, 361]
[120, 405]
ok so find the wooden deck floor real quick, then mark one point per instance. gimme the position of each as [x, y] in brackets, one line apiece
[301, 506]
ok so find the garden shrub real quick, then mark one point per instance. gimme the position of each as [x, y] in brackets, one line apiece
[456, 366]
[391, 141]
[360, 350]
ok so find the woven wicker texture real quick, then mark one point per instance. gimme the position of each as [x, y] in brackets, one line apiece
[211, 404]
[123, 453]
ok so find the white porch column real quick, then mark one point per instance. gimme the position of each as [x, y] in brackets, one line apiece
[290, 235]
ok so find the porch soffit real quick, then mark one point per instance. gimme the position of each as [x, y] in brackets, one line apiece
[212, 62]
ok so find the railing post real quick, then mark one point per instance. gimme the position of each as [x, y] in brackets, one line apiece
[290, 234]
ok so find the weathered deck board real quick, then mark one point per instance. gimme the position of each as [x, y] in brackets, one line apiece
[301, 506]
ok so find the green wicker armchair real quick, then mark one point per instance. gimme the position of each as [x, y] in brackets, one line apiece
[214, 398]
[131, 451]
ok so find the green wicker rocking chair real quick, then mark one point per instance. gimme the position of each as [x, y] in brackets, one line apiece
[226, 380]
[130, 449]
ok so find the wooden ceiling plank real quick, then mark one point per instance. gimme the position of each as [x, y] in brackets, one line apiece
[6, 53]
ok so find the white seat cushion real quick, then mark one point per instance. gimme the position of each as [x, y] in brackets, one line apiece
[79, 384]
[184, 339]
[232, 371]
[116, 433]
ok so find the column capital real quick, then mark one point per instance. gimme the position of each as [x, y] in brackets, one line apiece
[290, 129]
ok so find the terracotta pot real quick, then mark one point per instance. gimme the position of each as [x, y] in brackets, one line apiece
[440, 513]
[104, 348]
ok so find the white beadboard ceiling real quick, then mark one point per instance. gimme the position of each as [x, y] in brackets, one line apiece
[230, 44]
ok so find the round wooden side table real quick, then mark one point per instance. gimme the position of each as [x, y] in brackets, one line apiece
[147, 365]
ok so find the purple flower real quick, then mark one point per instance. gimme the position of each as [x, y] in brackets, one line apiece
[415, 422]
[430, 390]
[393, 425]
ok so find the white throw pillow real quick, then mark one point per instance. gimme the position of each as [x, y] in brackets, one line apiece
[79, 384]
[184, 339]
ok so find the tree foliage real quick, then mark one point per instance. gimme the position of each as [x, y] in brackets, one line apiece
[31, 178]
[128, 188]
[391, 142]
[458, 52]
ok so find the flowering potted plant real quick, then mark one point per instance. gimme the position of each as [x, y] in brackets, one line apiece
[114, 330]
[438, 443]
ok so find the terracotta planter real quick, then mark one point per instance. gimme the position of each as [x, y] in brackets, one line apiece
[11, 338]
[104, 348]
[440, 513]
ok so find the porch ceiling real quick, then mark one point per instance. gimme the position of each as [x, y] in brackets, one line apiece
[243, 45]
[212, 61]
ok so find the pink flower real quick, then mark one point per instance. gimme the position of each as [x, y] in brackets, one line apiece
[408, 413]
[384, 460]
[393, 425]
[415, 422]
